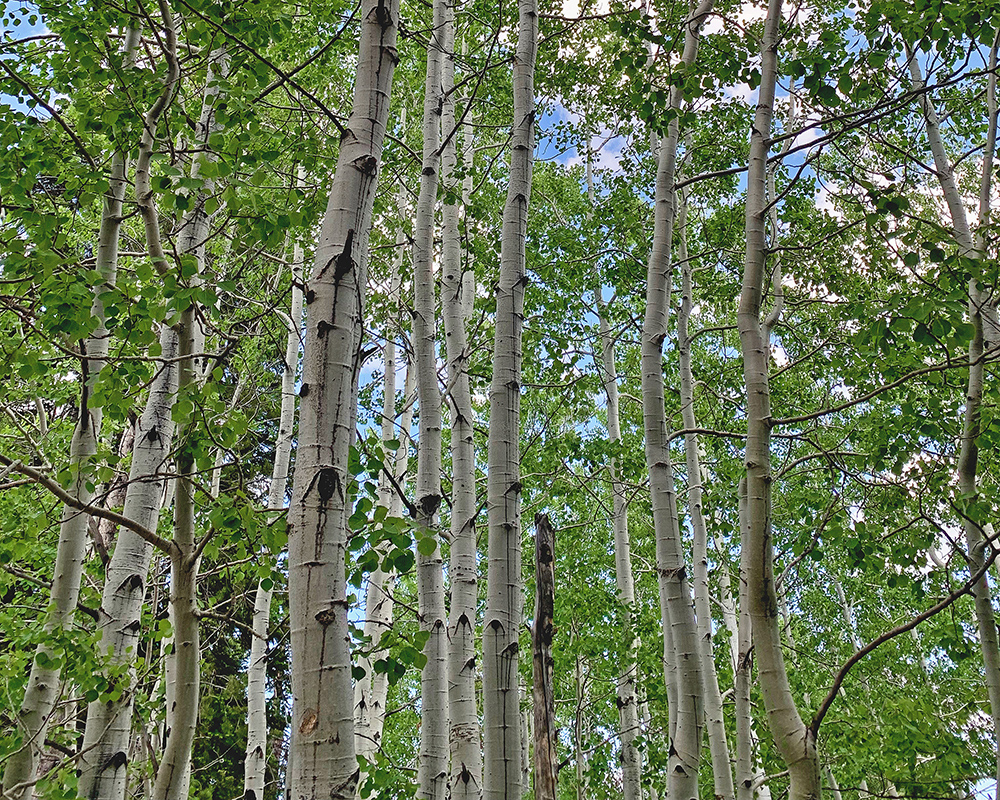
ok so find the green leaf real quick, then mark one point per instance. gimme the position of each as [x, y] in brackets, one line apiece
[427, 545]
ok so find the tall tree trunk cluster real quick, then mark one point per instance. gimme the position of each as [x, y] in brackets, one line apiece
[344, 646]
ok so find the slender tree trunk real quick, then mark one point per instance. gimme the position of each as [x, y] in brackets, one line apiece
[184, 662]
[982, 318]
[794, 740]
[369, 711]
[677, 615]
[382, 617]
[834, 786]
[579, 757]
[546, 759]
[109, 724]
[501, 628]
[432, 761]
[256, 755]
[104, 536]
[43, 688]
[722, 772]
[628, 708]
[322, 752]
[457, 293]
[103, 765]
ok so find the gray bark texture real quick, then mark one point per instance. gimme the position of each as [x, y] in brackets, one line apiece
[542, 634]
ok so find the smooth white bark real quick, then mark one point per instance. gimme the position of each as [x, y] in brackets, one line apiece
[681, 649]
[982, 315]
[502, 624]
[432, 758]
[323, 763]
[184, 662]
[722, 772]
[43, 688]
[628, 707]
[256, 754]
[794, 740]
[457, 293]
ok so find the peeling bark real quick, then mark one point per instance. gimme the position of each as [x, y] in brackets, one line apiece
[543, 689]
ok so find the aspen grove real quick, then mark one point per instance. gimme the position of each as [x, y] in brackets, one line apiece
[467, 400]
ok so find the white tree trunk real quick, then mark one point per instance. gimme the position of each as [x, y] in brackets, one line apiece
[184, 661]
[323, 763]
[722, 773]
[681, 649]
[628, 707]
[457, 293]
[504, 601]
[369, 705]
[256, 755]
[370, 714]
[104, 761]
[432, 760]
[794, 740]
[982, 317]
[43, 687]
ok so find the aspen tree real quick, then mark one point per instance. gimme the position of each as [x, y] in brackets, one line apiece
[184, 661]
[43, 687]
[748, 768]
[432, 760]
[722, 773]
[794, 740]
[628, 707]
[256, 754]
[681, 648]
[985, 337]
[502, 624]
[370, 689]
[109, 723]
[323, 763]
[457, 294]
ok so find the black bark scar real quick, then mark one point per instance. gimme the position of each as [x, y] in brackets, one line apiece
[344, 263]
